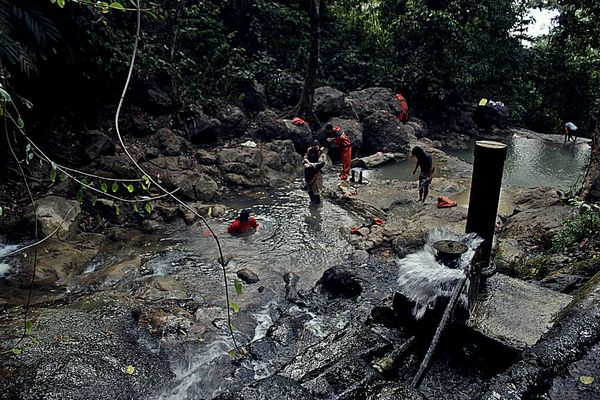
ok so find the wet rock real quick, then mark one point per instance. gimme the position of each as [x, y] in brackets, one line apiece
[340, 283]
[571, 344]
[74, 347]
[561, 282]
[273, 387]
[96, 144]
[151, 226]
[343, 378]
[247, 276]
[363, 103]
[377, 159]
[291, 282]
[168, 212]
[391, 391]
[329, 102]
[280, 162]
[54, 214]
[161, 288]
[168, 143]
[383, 132]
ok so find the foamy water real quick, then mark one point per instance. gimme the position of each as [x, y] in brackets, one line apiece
[5, 266]
[422, 279]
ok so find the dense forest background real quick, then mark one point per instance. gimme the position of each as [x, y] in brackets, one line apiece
[68, 57]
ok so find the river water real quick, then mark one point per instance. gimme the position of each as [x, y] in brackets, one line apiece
[532, 160]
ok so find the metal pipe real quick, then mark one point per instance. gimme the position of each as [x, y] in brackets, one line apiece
[488, 167]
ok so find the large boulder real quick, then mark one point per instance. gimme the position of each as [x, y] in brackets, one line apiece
[168, 143]
[353, 129]
[117, 166]
[254, 96]
[95, 144]
[259, 166]
[363, 103]
[180, 172]
[202, 129]
[153, 97]
[54, 214]
[269, 126]
[233, 121]
[328, 102]
[383, 132]
[301, 135]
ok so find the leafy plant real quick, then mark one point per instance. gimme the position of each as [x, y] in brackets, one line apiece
[584, 223]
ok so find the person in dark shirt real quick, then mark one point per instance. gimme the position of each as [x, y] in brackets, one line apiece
[243, 223]
[313, 162]
[424, 161]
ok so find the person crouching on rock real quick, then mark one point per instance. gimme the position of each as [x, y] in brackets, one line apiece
[313, 162]
[341, 139]
[243, 223]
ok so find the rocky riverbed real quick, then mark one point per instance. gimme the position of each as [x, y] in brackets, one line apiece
[129, 307]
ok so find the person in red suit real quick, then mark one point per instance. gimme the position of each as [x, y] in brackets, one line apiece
[243, 223]
[341, 139]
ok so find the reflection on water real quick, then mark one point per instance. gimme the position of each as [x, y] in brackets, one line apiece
[530, 162]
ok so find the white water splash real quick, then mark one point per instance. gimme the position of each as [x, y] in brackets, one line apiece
[423, 280]
[5, 249]
[264, 321]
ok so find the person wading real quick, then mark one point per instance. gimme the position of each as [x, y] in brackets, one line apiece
[243, 223]
[424, 161]
[341, 139]
[313, 162]
[568, 131]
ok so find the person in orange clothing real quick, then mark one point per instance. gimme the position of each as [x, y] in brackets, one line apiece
[341, 139]
[243, 223]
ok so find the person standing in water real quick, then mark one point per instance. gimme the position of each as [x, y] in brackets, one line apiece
[425, 162]
[313, 162]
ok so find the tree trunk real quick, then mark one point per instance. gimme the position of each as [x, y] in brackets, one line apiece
[304, 108]
[591, 184]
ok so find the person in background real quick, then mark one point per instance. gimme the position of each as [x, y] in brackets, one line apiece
[313, 162]
[341, 139]
[243, 223]
[403, 115]
[568, 132]
[425, 162]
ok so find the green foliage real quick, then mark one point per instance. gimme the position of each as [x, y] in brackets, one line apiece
[238, 286]
[584, 223]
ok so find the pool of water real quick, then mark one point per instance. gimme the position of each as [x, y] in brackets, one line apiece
[530, 162]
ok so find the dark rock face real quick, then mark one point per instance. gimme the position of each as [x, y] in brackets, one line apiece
[363, 103]
[96, 143]
[340, 283]
[115, 166]
[202, 129]
[153, 97]
[383, 132]
[329, 102]
[255, 98]
[273, 387]
[301, 135]
[233, 122]
[270, 126]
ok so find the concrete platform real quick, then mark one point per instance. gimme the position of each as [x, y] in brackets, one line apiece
[514, 312]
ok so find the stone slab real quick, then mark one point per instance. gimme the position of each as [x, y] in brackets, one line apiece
[514, 312]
